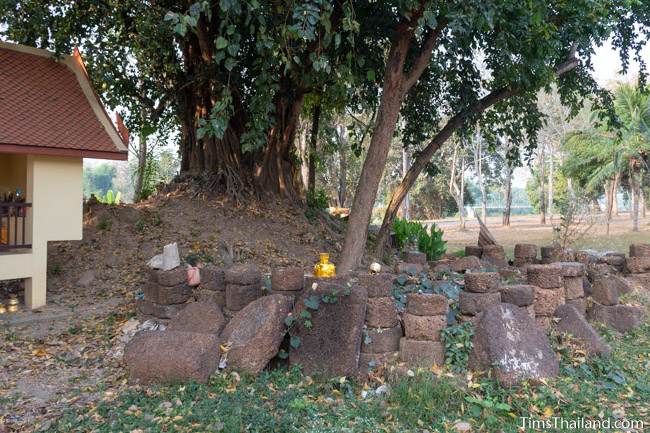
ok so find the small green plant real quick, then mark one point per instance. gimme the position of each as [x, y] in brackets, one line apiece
[431, 243]
[56, 269]
[104, 222]
[406, 232]
[411, 233]
[317, 199]
[110, 198]
[458, 344]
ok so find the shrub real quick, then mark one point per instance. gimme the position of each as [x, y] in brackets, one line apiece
[458, 344]
[317, 199]
[413, 233]
[432, 244]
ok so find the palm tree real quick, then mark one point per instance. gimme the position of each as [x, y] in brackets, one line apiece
[599, 156]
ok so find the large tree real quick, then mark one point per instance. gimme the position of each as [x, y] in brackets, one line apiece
[523, 47]
[233, 73]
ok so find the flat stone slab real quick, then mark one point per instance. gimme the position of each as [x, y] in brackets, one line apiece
[508, 341]
[573, 322]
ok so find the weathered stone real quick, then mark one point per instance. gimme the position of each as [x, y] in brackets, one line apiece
[586, 257]
[641, 280]
[525, 251]
[597, 270]
[522, 263]
[158, 310]
[315, 283]
[637, 265]
[243, 275]
[211, 296]
[462, 264]
[481, 282]
[204, 317]
[622, 285]
[473, 250]
[288, 279]
[620, 317]
[474, 303]
[547, 300]
[545, 276]
[640, 250]
[604, 291]
[421, 353]
[167, 295]
[573, 322]
[415, 257]
[572, 269]
[573, 287]
[381, 340]
[377, 285]
[381, 313]
[171, 357]
[426, 304]
[544, 322]
[171, 257]
[586, 286]
[255, 333]
[580, 304]
[530, 310]
[332, 344]
[213, 278]
[370, 361]
[423, 327]
[494, 254]
[614, 259]
[173, 277]
[510, 342]
[509, 272]
[237, 297]
[518, 294]
[468, 318]
[441, 266]
[551, 252]
[410, 268]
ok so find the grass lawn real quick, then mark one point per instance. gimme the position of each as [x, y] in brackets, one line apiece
[287, 401]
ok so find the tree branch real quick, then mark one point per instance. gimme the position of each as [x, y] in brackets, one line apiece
[426, 52]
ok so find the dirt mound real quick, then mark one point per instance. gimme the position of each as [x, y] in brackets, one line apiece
[118, 240]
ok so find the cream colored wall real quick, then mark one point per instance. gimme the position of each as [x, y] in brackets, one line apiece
[54, 186]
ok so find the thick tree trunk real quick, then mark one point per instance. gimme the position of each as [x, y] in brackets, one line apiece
[551, 173]
[373, 167]
[313, 149]
[142, 166]
[304, 158]
[405, 167]
[507, 197]
[343, 166]
[634, 184]
[542, 177]
[277, 173]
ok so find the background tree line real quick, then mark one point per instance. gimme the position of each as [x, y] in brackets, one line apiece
[454, 83]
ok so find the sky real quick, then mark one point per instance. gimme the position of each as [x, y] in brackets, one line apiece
[607, 68]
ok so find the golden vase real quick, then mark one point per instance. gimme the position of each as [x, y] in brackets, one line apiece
[324, 269]
[12, 305]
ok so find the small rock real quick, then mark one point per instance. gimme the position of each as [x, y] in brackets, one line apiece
[383, 390]
[170, 258]
[463, 427]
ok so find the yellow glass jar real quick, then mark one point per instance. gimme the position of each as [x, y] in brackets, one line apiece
[12, 305]
[324, 269]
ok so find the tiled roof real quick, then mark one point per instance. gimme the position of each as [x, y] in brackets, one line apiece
[48, 106]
